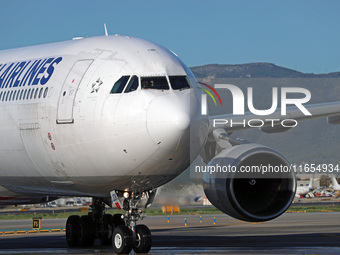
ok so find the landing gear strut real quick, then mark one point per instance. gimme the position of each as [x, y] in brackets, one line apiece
[121, 231]
[137, 237]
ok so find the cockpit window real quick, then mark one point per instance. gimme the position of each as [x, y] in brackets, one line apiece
[133, 84]
[118, 87]
[155, 83]
[179, 82]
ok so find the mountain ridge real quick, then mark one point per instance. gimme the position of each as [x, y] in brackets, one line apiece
[253, 70]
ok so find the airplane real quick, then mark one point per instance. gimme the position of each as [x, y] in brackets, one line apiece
[115, 117]
[335, 184]
[303, 190]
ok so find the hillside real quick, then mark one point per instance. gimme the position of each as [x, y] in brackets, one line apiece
[253, 70]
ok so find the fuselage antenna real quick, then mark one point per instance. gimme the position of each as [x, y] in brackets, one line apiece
[106, 33]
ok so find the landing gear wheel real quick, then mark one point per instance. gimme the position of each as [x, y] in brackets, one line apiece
[110, 222]
[86, 231]
[122, 240]
[72, 230]
[106, 240]
[143, 239]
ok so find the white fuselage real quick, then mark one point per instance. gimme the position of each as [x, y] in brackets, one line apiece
[64, 133]
[303, 190]
[335, 184]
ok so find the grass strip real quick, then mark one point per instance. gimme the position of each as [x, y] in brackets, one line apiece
[152, 212]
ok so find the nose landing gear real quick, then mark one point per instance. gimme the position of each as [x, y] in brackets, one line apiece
[136, 237]
[119, 230]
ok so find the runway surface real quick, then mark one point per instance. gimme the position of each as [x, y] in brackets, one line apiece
[292, 233]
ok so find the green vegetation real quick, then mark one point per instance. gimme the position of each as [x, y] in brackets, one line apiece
[152, 212]
[22, 216]
[212, 210]
[317, 208]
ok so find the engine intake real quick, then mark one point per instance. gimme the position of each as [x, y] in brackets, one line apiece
[250, 182]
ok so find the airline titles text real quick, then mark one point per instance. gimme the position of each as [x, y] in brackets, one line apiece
[27, 73]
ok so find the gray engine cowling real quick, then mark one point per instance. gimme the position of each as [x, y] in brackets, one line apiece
[250, 196]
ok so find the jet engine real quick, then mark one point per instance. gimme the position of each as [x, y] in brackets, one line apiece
[250, 182]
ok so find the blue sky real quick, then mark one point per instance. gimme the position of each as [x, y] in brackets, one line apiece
[302, 35]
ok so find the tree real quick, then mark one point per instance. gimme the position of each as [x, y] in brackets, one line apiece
[325, 181]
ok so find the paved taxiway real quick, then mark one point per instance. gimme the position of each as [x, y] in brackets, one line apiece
[292, 233]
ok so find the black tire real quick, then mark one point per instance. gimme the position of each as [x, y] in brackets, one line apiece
[72, 230]
[122, 240]
[106, 240]
[117, 220]
[143, 239]
[86, 231]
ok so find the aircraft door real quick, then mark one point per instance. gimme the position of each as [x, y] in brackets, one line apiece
[69, 90]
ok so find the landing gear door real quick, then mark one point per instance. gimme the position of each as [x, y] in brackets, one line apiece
[69, 90]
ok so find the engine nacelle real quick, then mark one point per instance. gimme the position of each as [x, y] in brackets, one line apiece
[241, 192]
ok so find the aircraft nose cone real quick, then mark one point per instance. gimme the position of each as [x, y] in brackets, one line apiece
[169, 120]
